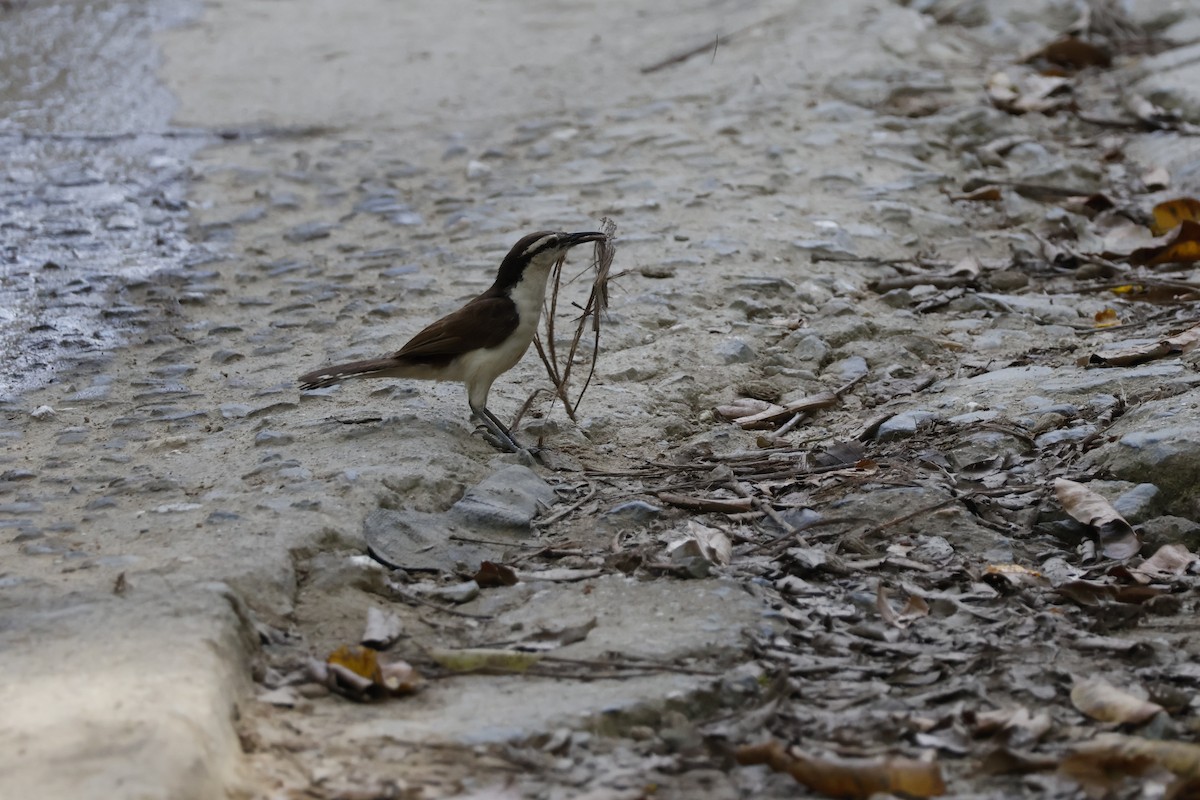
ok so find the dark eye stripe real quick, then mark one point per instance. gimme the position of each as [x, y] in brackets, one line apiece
[544, 243]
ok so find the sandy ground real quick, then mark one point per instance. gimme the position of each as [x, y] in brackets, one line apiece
[383, 159]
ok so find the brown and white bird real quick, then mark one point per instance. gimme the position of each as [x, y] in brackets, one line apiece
[480, 341]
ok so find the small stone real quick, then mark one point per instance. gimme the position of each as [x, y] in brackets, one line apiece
[235, 410]
[510, 498]
[226, 356]
[307, 232]
[20, 508]
[848, 369]
[176, 508]
[902, 426]
[633, 511]
[269, 437]
[734, 351]
[42, 412]
[1139, 503]
[897, 298]
[478, 171]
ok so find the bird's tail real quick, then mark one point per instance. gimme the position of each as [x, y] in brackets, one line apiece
[328, 376]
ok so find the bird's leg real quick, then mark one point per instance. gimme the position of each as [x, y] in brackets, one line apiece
[500, 435]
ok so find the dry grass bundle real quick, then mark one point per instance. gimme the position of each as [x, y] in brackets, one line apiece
[559, 366]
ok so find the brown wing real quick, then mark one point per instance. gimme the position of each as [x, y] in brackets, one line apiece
[483, 322]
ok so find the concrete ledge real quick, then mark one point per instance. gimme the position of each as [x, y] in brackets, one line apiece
[121, 697]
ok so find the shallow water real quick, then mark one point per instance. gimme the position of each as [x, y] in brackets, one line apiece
[92, 177]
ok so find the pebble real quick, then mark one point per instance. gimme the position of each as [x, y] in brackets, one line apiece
[633, 512]
[42, 413]
[308, 232]
[275, 438]
[733, 351]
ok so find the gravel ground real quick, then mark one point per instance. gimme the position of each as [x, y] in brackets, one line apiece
[799, 224]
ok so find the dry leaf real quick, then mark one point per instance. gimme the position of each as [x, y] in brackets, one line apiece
[491, 576]
[1117, 538]
[1183, 248]
[1169, 561]
[358, 673]
[913, 610]
[985, 194]
[1107, 318]
[1100, 700]
[362, 661]
[1169, 214]
[1073, 53]
[1101, 764]
[1032, 93]
[1175, 345]
[849, 778]
[703, 542]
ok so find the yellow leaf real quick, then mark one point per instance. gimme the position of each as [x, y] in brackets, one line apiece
[1171, 213]
[360, 660]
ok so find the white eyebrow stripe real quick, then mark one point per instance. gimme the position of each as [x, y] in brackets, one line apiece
[538, 245]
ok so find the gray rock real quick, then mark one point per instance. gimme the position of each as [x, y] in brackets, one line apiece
[1160, 531]
[904, 425]
[633, 512]
[847, 369]
[510, 498]
[269, 437]
[307, 232]
[234, 410]
[1159, 443]
[1140, 503]
[733, 351]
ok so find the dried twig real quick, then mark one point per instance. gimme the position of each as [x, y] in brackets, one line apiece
[597, 303]
[679, 58]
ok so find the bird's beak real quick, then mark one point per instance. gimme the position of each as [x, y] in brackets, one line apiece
[572, 239]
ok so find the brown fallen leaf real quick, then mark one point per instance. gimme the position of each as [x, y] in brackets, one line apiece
[1073, 53]
[1100, 700]
[1017, 726]
[848, 778]
[1100, 764]
[1175, 345]
[491, 575]
[1118, 540]
[1169, 561]
[1006, 761]
[1169, 214]
[913, 610]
